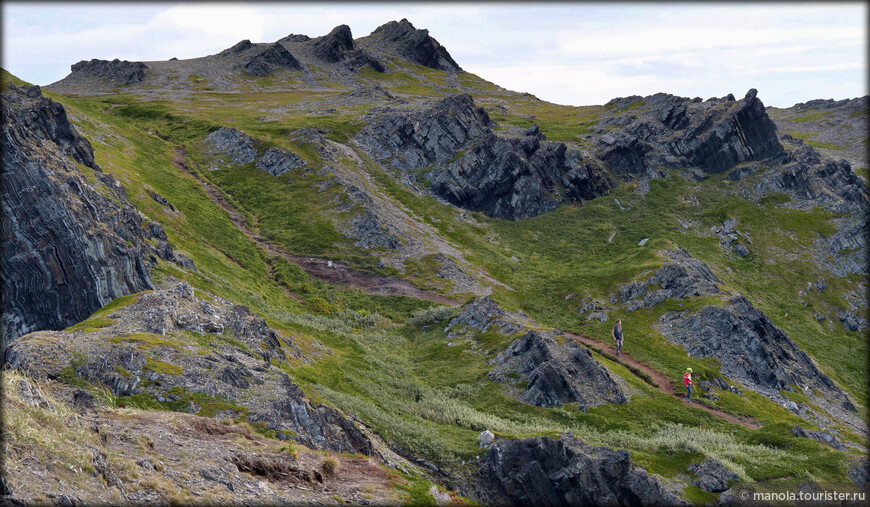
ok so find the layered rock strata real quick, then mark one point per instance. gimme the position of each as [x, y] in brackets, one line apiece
[664, 130]
[72, 241]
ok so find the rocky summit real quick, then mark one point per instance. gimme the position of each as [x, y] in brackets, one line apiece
[338, 268]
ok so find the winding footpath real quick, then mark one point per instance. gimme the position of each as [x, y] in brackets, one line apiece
[336, 273]
[322, 269]
[662, 382]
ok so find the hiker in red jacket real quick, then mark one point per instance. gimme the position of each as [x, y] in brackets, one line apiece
[687, 381]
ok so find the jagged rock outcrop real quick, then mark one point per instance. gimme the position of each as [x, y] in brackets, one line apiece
[331, 47]
[812, 180]
[241, 150]
[71, 240]
[556, 373]
[415, 45]
[116, 72]
[436, 134]
[516, 178]
[682, 277]
[711, 476]
[829, 183]
[234, 143]
[239, 47]
[504, 177]
[339, 46]
[153, 348]
[542, 368]
[752, 350]
[484, 314]
[566, 471]
[664, 130]
[273, 57]
[276, 161]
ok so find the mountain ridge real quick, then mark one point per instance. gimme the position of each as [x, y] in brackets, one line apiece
[693, 208]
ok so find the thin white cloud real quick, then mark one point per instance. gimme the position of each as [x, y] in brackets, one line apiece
[566, 53]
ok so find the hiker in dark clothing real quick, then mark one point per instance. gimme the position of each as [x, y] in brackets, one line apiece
[617, 336]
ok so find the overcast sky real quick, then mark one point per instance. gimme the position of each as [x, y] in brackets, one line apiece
[568, 53]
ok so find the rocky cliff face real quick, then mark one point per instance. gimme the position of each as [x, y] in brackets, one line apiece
[150, 350]
[566, 471]
[642, 133]
[511, 177]
[411, 44]
[72, 241]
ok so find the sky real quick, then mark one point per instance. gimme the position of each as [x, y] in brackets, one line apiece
[569, 53]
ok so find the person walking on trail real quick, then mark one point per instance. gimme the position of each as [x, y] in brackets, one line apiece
[687, 381]
[617, 336]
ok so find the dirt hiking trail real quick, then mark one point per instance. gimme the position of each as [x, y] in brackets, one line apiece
[662, 381]
[322, 269]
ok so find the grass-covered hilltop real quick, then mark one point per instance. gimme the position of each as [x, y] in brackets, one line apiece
[329, 269]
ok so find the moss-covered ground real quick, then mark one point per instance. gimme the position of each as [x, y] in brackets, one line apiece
[391, 365]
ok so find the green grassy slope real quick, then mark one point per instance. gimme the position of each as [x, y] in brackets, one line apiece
[393, 369]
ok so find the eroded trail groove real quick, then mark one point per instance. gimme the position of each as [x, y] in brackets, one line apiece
[662, 382]
[322, 269]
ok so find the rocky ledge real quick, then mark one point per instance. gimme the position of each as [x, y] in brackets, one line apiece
[566, 471]
[150, 351]
[71, 240]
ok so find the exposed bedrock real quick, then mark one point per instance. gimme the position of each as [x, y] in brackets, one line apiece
[115, 71]
[138, 354]
[681, 277]
[512, 177]
[751, 349]
[339, 46]
[273, 57]
[72, 241]
[566, 471]
[542, 368]
[416, 45]
[664, 130]
[331, 47]
[517, 178]
[556, 371]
